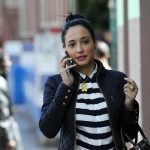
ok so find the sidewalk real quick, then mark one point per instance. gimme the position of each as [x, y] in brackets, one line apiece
[30, 136]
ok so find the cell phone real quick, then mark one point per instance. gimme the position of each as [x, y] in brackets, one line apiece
[69, 62]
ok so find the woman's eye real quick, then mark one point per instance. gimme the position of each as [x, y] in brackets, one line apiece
[86, 41]
[71, 45]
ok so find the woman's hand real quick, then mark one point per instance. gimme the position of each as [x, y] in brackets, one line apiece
[66, 76]
[130, 90]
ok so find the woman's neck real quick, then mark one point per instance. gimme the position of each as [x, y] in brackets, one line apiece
[86, 70]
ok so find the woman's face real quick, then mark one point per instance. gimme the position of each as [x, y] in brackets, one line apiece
[79, 45]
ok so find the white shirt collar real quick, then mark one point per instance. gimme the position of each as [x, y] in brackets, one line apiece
[91, 75]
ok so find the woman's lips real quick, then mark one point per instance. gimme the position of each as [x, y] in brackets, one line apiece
[81, 58]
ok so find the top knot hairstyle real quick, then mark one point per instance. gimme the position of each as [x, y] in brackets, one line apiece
[71, 17]
[77, 19]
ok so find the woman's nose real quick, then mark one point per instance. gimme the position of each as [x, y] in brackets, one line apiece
[79, 49]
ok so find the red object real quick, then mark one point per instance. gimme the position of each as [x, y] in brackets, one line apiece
[55, 30]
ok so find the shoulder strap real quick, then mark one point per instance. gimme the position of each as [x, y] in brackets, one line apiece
[141, 131]
[131, 141]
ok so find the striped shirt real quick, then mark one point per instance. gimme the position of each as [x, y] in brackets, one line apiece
[93, 130]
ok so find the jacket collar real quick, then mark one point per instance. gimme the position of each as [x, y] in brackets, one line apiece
[100, 71]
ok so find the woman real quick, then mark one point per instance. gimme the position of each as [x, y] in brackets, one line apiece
[87, 102]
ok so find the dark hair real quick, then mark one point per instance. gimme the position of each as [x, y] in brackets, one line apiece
[77, 19]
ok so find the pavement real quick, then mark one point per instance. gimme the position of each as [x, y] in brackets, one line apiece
[31, 137]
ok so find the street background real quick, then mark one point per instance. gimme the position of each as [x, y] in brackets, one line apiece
[29, 135]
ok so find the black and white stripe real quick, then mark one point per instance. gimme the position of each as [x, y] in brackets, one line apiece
[92, 121]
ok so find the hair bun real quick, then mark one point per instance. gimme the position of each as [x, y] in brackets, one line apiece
[73, 16]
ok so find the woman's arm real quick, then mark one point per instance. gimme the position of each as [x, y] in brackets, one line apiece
[131, 107]
[55, 104]
[130, 120]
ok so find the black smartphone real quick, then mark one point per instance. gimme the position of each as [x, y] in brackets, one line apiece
[69, 62]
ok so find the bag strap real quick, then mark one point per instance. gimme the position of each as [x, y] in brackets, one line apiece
[142, 132]
[131, 141]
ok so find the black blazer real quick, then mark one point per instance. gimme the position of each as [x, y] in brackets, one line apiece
[58, 109]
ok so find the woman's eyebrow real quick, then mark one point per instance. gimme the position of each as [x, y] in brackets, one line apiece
[70, 41]
[86, 37]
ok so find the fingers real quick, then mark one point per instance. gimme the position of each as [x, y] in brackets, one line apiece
[130, 81]
[64, 60]
[63, 64]
[130, 89]
[66, 76]
[69, 67]
[130, 84]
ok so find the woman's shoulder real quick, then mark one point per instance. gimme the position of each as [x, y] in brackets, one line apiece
[116, 74]
[54, 78]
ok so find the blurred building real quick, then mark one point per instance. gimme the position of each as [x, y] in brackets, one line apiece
[24, 18]
[39, 15]
[133, 42]
[42, 15]
[9, 19]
